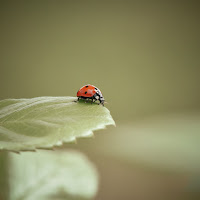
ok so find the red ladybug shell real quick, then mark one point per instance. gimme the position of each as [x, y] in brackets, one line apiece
[91, 92]
[86, 91]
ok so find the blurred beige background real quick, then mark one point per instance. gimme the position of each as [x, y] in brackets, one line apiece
[143, 56]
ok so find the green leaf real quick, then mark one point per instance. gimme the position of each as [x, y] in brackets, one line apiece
[44, 122]
[51, 175]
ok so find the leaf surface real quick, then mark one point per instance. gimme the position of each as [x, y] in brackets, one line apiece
[44, 122]
[51, 175]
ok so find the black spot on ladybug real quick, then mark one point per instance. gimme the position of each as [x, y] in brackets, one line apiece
[85, 92]
[86, 87]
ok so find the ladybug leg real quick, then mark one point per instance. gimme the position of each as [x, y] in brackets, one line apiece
[86, 100]
[76, 100]
[98, 102]
[93, 100]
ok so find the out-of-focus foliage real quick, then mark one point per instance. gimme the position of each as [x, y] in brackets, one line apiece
[166, 143]
[43, 122]
[49, 175]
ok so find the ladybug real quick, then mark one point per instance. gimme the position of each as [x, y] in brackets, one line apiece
[90, 92]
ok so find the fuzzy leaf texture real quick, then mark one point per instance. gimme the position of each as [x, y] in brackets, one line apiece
[44, 122]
